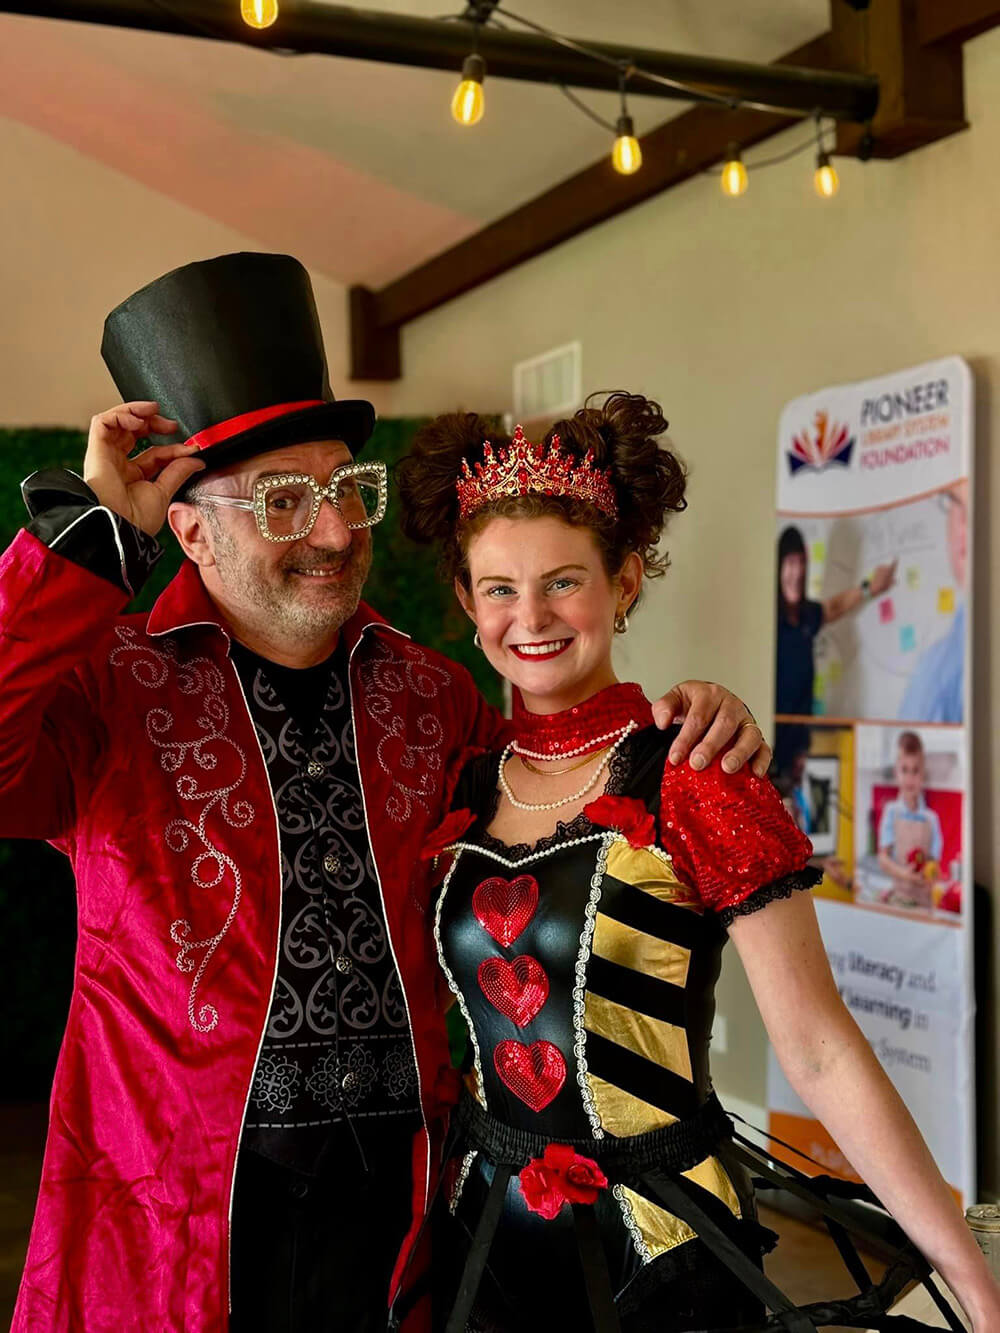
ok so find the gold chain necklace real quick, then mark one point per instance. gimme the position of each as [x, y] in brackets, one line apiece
[554, 772]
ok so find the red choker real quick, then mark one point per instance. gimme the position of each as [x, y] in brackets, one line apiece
[585, 726]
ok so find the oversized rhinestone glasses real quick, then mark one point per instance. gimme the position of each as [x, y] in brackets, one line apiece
[286, 506]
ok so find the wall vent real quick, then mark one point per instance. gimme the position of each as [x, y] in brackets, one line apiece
[546, 387]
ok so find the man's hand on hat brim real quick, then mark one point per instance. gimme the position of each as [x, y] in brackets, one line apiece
[138, 488]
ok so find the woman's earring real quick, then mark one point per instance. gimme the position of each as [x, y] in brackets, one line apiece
[477, 640]
[621, 622]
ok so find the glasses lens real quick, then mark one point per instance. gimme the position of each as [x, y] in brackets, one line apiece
[288, 508]
[360, 497]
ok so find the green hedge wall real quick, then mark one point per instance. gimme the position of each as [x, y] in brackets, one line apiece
[37, 905]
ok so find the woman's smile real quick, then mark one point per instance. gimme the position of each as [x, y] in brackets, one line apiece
[540, 651]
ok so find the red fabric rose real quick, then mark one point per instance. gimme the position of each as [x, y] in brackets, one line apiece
[448, 831]
[624, 813]
[560, 1176]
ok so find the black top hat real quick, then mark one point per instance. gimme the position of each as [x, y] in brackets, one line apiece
[232, 349]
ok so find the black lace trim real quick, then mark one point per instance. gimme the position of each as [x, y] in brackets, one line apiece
[619, 771]
[806, 878]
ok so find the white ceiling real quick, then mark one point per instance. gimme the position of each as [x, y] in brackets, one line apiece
[357, 167]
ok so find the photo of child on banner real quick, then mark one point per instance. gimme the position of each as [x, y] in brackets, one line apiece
[910, 791]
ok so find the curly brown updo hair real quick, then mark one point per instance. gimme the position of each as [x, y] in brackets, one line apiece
[623, 433]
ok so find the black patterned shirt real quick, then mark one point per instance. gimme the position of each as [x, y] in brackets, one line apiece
[337, 1044]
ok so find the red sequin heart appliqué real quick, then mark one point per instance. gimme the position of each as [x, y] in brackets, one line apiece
[503, 907]
[534, 1073]
[517, 989]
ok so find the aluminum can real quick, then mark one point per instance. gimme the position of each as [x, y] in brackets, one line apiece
[984, 1223]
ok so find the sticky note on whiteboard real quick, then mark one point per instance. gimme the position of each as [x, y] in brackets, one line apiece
[907, 638]
[886, 611]
[836, 671]
[818, 551]
[946, 601]
[913, 577]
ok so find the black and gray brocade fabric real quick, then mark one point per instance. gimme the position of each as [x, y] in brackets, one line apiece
[586, 971]
[337, 1043]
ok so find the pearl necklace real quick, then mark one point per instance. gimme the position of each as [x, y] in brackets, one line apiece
[512, 748]
[618, 735]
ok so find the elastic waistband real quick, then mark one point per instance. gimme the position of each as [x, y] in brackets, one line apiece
[676, 1147]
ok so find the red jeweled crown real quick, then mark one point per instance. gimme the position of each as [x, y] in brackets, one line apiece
[523, 468]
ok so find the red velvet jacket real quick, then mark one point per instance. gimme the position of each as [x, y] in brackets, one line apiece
[126, 741]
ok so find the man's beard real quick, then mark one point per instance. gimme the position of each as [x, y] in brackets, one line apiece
[285, 603]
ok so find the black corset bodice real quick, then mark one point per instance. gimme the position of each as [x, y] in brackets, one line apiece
[584, 968]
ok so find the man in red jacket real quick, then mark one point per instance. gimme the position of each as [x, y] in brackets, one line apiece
[248, 1100]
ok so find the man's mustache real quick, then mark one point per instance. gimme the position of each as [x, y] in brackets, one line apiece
[335, 560]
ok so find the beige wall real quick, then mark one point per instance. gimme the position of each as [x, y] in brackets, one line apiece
[723, 310]
[77, 237]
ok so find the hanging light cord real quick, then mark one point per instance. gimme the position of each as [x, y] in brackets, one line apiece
[777, 158]
[700, 94]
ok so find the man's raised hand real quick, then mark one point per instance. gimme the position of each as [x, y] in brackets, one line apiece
[138, 488]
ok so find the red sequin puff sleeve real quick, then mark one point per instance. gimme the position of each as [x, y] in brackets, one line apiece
[731, 839]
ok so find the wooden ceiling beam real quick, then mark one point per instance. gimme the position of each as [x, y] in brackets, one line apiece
[402, 39]
[922, 90]
[955, 20]
[907, 44]
[674, 152]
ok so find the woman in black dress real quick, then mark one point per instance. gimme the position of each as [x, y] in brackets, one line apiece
[587, 888]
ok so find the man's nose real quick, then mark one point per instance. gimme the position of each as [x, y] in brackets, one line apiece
[330, 530]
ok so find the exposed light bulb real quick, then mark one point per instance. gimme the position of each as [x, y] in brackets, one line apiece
[826, 182]
[468, 102]
[259, 13]
[734, 179]
[626, 155]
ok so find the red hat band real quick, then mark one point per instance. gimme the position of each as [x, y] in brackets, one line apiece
[225, 430]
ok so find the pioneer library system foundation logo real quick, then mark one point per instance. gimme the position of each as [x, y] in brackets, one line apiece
[820, 446]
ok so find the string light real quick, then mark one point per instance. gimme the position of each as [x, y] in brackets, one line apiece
[734, 178]
[826, 182]
[259, 13]
[469, 102]
[626, 155]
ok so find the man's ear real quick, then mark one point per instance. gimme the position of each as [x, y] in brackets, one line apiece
[190, 527]
[465, 598]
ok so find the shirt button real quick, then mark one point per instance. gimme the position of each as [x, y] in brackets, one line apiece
[343, 964]
[349, 1081]
[315, 769]
[331, 863]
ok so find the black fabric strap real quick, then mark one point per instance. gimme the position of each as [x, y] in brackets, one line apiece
[479, 1251]
[675, 1198]
[597, 1279]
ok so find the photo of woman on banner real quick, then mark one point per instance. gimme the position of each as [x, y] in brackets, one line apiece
[799, 621]
[935, 689]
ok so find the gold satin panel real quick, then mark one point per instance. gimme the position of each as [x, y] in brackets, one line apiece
[661, 1043]
[621, 1113]
[651, 872]
[640, 952]
[661, 1230]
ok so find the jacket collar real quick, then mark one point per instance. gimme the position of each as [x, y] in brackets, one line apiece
[185, 604]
